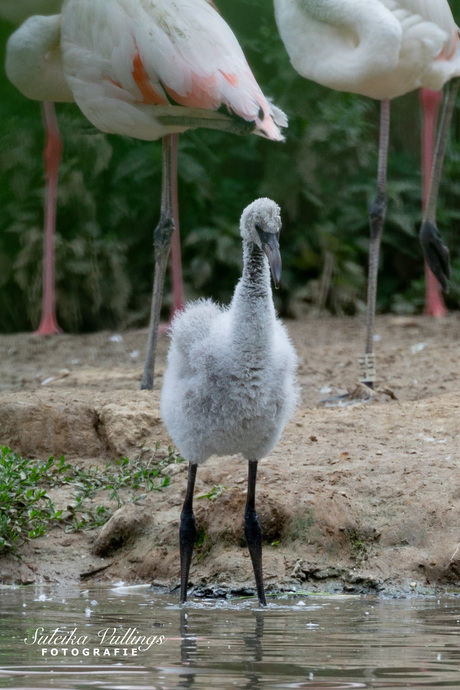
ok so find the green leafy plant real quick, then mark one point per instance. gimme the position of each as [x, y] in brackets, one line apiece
[87, 518]
[126, 482]
[26, 509]
[214, 493]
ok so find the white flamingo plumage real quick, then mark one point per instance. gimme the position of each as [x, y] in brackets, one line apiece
[381, 49]
[153, 70]
[16, 12]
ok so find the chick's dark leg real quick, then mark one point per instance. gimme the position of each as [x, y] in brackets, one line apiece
[187, 532]
[252, 531]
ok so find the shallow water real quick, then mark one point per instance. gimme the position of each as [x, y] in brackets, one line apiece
[121, 638]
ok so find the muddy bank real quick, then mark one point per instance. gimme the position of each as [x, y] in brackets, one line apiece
[358, 498]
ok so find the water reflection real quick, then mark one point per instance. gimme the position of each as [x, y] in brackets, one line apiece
[144, 639]
[251, 641]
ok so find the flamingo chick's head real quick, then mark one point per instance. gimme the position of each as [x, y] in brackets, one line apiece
[261, 224]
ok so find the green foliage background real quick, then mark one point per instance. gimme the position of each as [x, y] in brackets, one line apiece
[323, 177]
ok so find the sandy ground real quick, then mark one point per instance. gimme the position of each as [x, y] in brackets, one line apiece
[358, 498]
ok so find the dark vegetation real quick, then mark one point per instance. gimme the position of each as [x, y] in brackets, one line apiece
[323, 177]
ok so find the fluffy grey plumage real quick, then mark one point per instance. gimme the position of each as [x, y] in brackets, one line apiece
[230, 384]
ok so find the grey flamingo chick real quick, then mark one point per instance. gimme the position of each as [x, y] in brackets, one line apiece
[230, 384]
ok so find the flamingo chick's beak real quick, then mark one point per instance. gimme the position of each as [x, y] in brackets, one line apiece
[271, 247]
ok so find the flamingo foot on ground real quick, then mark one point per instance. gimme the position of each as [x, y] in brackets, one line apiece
[434, 303]
[48, 326]
[361, 393]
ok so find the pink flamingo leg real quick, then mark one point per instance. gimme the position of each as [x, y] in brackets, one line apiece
[176, 259]
[377, 213]
[176, 270]
[162, 238]
[430, 101]
[52, 156]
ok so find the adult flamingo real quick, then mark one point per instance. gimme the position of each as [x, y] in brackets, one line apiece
[151, 71]
[381, 49]
[24, 63]
[16, 12]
